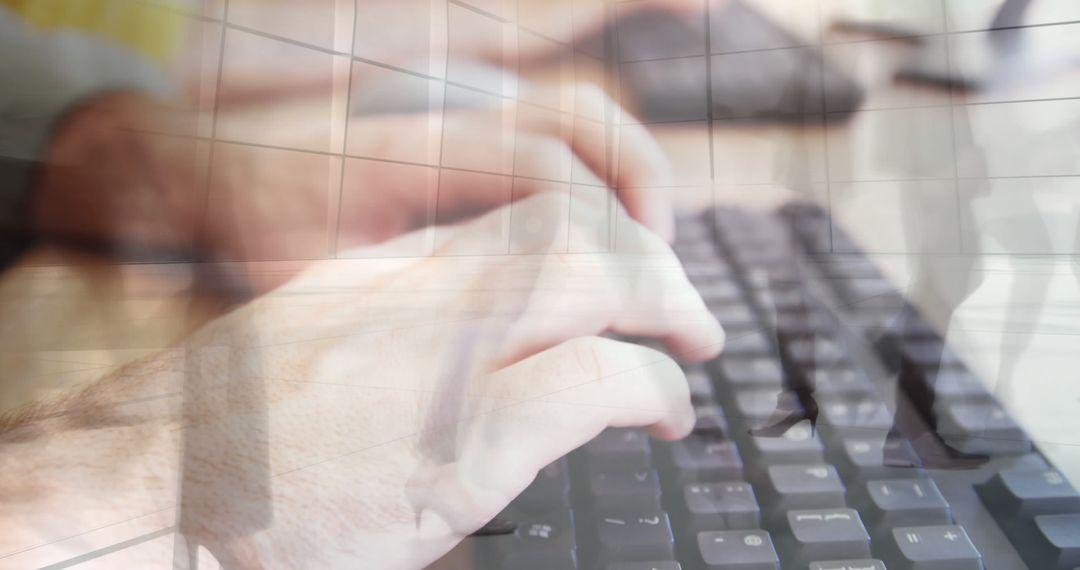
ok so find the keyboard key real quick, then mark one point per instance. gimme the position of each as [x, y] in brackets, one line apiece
[837, 383]
[733, 314]
[719, 506]
[790, 487]
[622, 447]
[738, 550]
[752, 372]
[1021, 493]
[720, 292]
[711, 422]
[863, 459]
[799, 444]
[821, 534]
[755, 405]
[668, 565]
[702, 392]
[865, 564]
[858, 418]
[1060, 537]
[540, 542]
[627, 536]
[982, 428]
[699, 459]
[617, 489]
[933, 548]
[816, 351]
[550, 489]
[905, 502]
[748, 341]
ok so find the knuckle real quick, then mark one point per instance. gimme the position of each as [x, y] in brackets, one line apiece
[588, 355]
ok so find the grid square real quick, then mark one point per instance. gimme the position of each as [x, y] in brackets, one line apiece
[669, 90]
[479, 139]
[374, 195]
[311, 22]
[893, 144]
[535, 229]
[787, 155]
[475, 37]
[275, 200]
[490, 238]
[394, 115]
[408, 34]
[307, 122]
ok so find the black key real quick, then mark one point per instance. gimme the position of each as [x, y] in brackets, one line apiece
[1060, 538]
[821, 534]
[627, 536]
[541, 542]
[1022, 493]
[856, 418]
[755, 405]
[719, 506]
[933, 548]
[756, 372]
[667, 565]
[616, 489]
[905, 502]
[865, 564]
[710, 422]
[749, 341]
[982, 428]
[817, 350]
[738, 550]
[733, 314]
[702, 392]
[836, 383]
[864, 459]
[622, 447]
[719, 291]
[799, 444]
[790, 487]
[550, 489]
[706, 459]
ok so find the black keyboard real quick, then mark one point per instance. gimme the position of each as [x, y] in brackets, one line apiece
[858, 491]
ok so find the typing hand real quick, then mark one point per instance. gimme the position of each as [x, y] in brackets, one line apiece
[412, 399]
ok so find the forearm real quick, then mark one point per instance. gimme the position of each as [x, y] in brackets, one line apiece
[101, 455]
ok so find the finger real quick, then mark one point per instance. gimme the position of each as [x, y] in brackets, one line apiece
[645, 294]
[544, 407]
[642, 169]
[265, 86]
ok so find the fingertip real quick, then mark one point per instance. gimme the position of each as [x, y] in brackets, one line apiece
[675, 428]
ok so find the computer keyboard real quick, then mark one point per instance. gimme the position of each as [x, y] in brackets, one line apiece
[859, 490]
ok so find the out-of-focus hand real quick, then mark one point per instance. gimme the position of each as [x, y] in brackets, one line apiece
[535, 147]
[412, 399]
[112, 178]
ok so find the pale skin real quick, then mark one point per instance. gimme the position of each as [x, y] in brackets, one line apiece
[352, 486]
[358, 461]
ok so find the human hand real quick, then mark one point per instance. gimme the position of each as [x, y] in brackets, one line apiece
[411, 399]
[125, 185]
